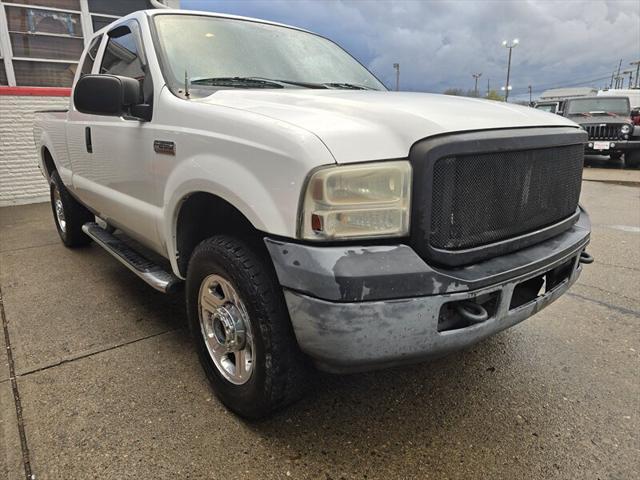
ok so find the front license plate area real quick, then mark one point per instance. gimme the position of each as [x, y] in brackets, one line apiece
[601, 145]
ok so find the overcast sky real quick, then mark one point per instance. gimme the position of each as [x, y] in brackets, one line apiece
[439, 44]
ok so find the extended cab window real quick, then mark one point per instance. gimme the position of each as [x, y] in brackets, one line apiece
[122, 56]
[90, 58]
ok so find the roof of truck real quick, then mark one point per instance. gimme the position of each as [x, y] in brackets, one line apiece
[164, 11]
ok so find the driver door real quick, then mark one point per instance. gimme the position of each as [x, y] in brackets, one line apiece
[119, 178]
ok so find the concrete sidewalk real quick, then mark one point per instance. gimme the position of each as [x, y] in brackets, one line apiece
[612, 175]
[110, 387]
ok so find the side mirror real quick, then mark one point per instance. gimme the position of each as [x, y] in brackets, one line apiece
[108, 95]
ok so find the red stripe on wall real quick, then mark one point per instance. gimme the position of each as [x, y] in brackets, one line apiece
[36, 91]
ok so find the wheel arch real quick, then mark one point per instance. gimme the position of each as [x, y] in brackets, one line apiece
[200, 215]
[47, 162]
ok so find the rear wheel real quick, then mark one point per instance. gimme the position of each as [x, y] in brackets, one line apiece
[68, 214]
[240, 324]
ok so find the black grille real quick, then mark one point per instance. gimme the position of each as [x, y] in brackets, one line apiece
[603, 132]
[485, 198]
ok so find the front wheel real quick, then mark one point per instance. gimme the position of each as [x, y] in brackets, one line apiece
[240, 324]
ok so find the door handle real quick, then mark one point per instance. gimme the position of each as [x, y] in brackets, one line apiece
[87, 139]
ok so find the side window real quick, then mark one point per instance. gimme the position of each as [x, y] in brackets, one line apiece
[121, 56]
[87, 65]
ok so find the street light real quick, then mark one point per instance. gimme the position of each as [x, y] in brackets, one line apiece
[476, 76]
[510, 46]
[397, 67]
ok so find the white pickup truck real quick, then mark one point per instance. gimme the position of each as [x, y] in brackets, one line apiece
[315, 217]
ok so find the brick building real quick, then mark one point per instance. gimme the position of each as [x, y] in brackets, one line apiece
[40, 44]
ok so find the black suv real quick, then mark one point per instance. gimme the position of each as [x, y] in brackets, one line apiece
[608, 122]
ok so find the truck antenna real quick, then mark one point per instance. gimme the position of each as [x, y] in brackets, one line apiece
[186, 84]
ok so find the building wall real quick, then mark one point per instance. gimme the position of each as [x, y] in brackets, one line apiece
[52, 57]
[20, 178]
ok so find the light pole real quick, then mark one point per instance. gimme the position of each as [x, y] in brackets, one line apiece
[506, 92]
[637, 64]
[619, 80]
[476, 76]
[510, 46]
[530, 102]
[630, 72]
[397, 67]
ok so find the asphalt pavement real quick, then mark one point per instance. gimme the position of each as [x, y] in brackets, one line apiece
[100, 380]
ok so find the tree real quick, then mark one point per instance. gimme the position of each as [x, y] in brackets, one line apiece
[458, 92]
[494, 95]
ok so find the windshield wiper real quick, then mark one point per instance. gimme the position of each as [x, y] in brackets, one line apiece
[349, 86]
[602, 112]
[261, 82]
[237, 82]
[293, 82]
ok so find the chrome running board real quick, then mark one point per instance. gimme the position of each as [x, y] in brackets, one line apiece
[147, 270]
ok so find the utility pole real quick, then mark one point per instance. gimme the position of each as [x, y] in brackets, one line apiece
[637, 64]
[510, 46]
[397, 67]
[629, 72]
[488, 86]
[613, 74]
[618, 74]
[530, 102]
[476, 76]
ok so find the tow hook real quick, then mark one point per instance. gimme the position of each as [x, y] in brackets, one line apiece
[585, 258]
[471, 311]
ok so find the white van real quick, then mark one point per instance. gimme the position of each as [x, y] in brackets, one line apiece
[632, 93]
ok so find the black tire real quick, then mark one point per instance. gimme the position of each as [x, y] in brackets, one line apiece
[280, 371]
[632, 158]
[74, 214]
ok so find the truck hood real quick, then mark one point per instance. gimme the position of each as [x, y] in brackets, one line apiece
[362, 125]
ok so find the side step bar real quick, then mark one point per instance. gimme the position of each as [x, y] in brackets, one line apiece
[147, 270]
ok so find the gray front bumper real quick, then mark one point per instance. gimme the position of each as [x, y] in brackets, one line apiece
[361, 308]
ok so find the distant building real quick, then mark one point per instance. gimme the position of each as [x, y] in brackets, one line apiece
[560, 93]
[40, 44]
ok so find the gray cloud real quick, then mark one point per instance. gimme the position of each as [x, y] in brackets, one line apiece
[439, 44]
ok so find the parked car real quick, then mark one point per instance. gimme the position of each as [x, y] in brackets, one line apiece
[550, 106]
[314, 217]
[608, 122]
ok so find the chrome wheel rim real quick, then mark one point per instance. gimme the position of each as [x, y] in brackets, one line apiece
[59, 209]
[225, 328]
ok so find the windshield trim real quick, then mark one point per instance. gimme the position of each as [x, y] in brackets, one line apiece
[176, 86]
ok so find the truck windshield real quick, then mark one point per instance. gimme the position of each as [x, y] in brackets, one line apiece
[232, 53]
[598, 105]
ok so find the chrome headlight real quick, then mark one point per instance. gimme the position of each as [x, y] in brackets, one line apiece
[357, 201]
[625, 129]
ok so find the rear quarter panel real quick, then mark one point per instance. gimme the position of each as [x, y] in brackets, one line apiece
[49, 133]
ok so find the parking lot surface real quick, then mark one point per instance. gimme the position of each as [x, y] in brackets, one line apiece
[108, 385]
